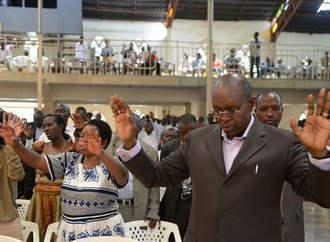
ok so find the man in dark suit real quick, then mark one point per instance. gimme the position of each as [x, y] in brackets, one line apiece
[269, 111]
[176, 204]
[238, 167]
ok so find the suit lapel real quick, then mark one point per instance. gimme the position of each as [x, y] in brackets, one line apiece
[253, 143]
[215, 143]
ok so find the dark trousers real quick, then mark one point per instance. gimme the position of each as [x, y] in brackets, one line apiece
[182, 217]
[255, 61]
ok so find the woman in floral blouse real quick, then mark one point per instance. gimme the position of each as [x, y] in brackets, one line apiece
[91, 179]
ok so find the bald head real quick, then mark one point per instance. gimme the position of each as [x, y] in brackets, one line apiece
[236, 81]
[232, 99]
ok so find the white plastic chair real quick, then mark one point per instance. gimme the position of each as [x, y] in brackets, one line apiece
[30, 227]
[4, 238]
[51, 229]
[140, 231]
[22, 207]
[105, 239]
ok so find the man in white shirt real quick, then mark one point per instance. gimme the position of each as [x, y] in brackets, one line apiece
[137, 202]
[82, 51]
[255, 53]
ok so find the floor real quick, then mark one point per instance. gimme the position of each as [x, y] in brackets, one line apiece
[317, 223]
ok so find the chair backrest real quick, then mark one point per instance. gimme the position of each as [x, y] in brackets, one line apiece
[105, 239]
[28, 228]
[139, 230]
[4, 238]
[51, 229]
[22, 207]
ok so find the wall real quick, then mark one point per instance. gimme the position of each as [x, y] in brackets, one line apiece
[67, 18]
[224, 32]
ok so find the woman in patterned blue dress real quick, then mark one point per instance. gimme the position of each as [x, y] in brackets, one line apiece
[91, 178]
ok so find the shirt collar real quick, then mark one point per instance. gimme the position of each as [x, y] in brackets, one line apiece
[247, 130]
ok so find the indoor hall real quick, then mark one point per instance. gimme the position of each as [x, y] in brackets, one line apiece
[176, 90]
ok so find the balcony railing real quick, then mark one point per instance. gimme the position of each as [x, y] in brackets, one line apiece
[171, 58]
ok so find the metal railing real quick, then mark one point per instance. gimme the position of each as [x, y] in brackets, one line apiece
[19, 53]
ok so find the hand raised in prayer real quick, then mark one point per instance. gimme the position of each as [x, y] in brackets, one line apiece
[78, 121]
[316, 131]
[7, 132]
[125, 125]
[90, 143]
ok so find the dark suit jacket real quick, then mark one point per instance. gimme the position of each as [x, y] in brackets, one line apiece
[241, 205]
[168, 204]
[293, 215]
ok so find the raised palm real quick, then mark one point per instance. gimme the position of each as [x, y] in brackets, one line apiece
[7, 132]
[125, 126]
[316, 131]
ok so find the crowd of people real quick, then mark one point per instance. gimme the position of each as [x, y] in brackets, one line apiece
[93, 181]
[100, 57]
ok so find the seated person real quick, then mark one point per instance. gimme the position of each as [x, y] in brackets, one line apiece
[107, 54]
[186, 63]
[95, 65]
[232, 61]
[2, 53]
[267, 66]
[130, 57]
[198, 65]
[280, 68]
[217, 65]
[58, 64]
[152, 61]
[325, 66]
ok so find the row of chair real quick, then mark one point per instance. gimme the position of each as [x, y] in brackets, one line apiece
[135, 230]
[93, 239]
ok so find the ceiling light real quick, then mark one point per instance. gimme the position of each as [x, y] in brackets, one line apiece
[325, 6]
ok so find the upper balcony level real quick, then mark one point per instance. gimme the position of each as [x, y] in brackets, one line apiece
[84, 70]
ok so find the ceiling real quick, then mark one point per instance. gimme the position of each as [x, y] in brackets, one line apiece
[305, 20]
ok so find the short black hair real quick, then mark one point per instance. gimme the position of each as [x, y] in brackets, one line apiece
[104, 130]
[270, 91]
[59, 121]
[188, 119]
[2, 142]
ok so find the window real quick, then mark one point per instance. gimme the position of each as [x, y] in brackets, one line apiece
[45, 3]
[11, 3]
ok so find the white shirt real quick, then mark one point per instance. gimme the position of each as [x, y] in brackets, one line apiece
[81, 51]
[127, 192]
[151, 139]
[231, 148]
[254, 50]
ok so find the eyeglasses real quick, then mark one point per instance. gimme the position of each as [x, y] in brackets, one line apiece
[229, 112]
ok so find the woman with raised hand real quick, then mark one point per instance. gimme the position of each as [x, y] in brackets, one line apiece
[44, 207]
[91, 180]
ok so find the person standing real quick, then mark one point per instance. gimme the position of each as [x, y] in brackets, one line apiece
[176, 204]
[11, 171]
[255, 53]
[238, 166]
[137, 202]
[269, 111]
[44, 207]
[91, 181]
